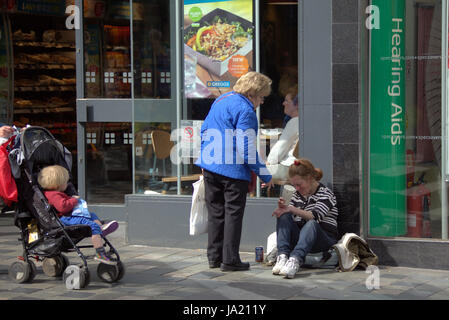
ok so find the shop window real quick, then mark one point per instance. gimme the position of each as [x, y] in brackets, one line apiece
[152, 50]
[405, 121]
[107, 49]
[155, 172]
[38, 71]
[206, 77]
[108, 162]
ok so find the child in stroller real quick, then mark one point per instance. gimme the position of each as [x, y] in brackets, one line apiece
[72, 210]
[43, 235]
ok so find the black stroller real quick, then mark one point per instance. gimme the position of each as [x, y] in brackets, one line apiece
[42, 234]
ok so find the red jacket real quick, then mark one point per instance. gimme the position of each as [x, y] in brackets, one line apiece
[63, 203]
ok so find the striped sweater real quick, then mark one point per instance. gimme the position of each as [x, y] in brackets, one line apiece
[323, 206]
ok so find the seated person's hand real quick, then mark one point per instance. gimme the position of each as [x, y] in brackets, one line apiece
[281, 209]
[279, 212]
[76, 197]
[281, 203]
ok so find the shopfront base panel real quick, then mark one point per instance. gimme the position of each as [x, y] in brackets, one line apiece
[419, 253]
[164, 221]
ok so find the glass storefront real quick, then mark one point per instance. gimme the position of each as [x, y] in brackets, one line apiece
[165, 81]
[107, 62]
[108, 161]
[134, 63]
[405, 119]
[277, 54]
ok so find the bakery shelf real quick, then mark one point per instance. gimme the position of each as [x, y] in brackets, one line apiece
[52, 45]
[45, 88]
[43, 109]
[44, 66]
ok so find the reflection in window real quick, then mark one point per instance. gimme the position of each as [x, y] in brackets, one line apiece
[107, 50]
[108, 162]
[155, 173]
[151, 38]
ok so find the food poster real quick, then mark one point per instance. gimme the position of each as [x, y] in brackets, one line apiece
[218, 45]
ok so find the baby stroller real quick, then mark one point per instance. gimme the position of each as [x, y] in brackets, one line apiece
[43, 236]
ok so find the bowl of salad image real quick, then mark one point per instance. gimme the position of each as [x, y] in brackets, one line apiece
[216, 38]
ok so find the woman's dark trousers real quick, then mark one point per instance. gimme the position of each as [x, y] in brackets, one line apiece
[225, 201]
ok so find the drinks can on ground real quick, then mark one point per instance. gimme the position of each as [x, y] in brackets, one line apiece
[259, 254]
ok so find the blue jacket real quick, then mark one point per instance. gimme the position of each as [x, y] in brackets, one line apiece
[228, 139]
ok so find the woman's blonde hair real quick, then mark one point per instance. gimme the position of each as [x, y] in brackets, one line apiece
[53, 177]
[253, 84]
[304, 168]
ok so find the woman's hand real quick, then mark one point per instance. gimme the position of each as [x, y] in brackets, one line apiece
[269, 184]
[279, 212]
[281, 203]
[281, 209]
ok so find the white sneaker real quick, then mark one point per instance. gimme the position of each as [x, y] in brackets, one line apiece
[290, 268]
[280, 262]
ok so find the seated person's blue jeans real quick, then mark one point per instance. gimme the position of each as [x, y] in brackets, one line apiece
[295, 242]
[72, 220]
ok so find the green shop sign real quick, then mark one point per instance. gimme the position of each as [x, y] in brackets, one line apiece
[388, 216]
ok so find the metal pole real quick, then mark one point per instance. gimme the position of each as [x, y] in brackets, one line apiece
[131, 37]
[257, 68]
[80, 129]
[179, 73]
[301, 75]
[444, 122]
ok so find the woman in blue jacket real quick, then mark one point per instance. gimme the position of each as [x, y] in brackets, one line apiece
[228, 155]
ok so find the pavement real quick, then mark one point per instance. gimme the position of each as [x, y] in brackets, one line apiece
[157, 273]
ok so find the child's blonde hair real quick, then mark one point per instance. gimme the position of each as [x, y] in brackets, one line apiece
[53, 177]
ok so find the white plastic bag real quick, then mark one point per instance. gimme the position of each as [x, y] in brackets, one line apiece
[198, 211]
[272, 251]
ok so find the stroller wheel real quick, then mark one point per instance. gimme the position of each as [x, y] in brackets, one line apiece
[65, 261]
[54, 266]
[76, 277]
[33, 270]
[20, 271]
[108, 273]
[86, 276]
[121, 270]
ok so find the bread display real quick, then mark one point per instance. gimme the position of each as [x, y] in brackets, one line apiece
[19, 35]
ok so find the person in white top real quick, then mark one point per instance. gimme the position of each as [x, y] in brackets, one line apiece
[281, 155]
